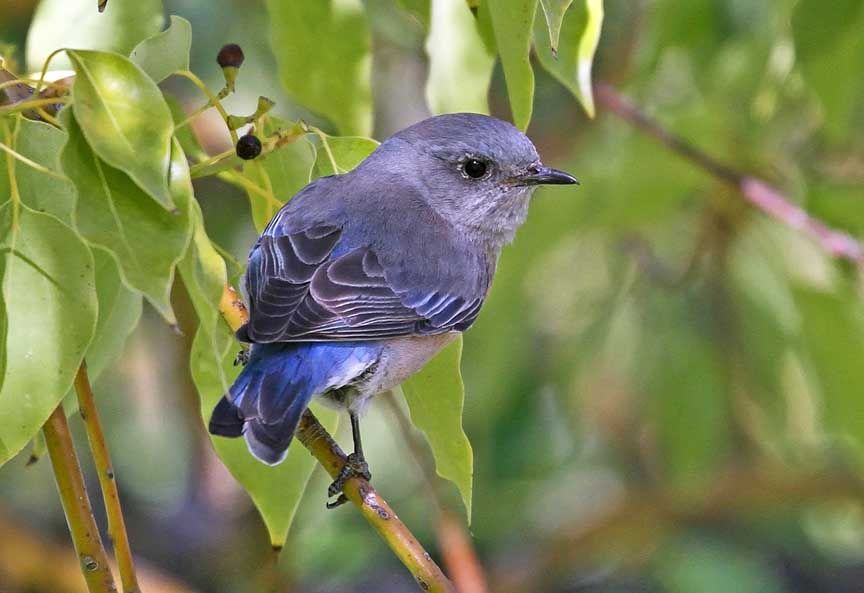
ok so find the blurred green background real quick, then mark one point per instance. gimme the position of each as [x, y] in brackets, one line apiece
[665, 390]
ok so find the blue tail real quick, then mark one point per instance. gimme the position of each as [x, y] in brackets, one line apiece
[266, 401]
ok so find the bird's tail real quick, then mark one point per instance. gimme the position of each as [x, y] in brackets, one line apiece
[266, 401]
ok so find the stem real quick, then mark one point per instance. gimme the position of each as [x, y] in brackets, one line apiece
[105, 471]
[214, 100]
[76, 505]
[32, 104]
[763, 196]
[374, 509]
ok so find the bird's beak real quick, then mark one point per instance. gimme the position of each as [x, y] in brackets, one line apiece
[541, 175]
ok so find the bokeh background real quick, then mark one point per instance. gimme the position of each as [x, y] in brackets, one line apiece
[665, 391]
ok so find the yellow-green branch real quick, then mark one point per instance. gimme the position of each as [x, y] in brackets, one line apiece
[372, 506]
[107, 482]
[76, 505]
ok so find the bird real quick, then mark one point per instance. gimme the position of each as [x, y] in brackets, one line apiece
[361, 278]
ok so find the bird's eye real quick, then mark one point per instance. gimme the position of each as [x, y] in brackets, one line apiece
[474, 168]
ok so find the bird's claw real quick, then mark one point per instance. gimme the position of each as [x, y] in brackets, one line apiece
[355, 467]
[242, 357]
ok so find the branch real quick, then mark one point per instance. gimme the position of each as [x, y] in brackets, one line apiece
[105, 471]
[374, 509]
[76, 505]
[763, 196]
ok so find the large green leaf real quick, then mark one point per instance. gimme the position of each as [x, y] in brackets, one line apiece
[75, 23]
[340, 154]
[281, 174]
[166, 52]
[116, 215]
[40, 190]
[579, 38]
[323, 52]
[49, 305]
[554, 11]
[460, 66]
[276, 491]
[436, 398]
[125, 119]
[513, 21]
[119, 312]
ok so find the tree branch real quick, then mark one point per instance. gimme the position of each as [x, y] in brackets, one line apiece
[76, 505]
[105, 471]
[374, 509]
[763, 196]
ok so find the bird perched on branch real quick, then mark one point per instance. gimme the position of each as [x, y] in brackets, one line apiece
[362, 278]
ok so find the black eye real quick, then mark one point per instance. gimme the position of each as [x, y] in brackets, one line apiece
[474, 168]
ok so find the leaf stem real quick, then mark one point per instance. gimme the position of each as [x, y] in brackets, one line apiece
[33, 164]
[214, 100]
[372, 506]
[76, 505]
[32, 104]
[107, 482]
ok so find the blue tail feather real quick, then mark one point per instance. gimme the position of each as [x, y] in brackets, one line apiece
[271, 393]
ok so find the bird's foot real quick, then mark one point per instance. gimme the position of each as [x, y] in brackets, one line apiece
[355, 467]
[242, 357]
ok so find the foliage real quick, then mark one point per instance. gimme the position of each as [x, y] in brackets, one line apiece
[649, 335]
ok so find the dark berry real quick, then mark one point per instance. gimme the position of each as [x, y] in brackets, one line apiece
[230, 56]
[248, 147]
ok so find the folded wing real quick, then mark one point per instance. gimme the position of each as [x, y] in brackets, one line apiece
[304, 286]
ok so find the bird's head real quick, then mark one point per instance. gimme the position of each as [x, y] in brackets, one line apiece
[476, 171]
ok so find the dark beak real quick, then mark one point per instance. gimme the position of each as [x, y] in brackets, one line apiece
[540, 175]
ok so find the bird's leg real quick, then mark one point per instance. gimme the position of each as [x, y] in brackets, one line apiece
[242, 357]
[355, 466]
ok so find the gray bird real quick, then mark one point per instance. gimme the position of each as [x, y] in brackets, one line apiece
[360, 279]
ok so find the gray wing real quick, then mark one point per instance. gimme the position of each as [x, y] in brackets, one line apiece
[306, 286]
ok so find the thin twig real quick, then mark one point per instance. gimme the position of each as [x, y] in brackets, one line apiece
[76, 505]
[107, 482]
[374, 509]
[763, 196]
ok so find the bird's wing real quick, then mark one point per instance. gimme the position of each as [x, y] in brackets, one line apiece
[305, 286]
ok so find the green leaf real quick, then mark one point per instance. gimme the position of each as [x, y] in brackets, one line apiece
[436, 397]
[276, 491]
[115, 214]
[579, 38]
[460, 67]
[76, 24]
[554, 11]
[41, 191]
[833, 338]
[166, 52]
[340, 154]
[512, 21]
[125, 119]
[281, 174]
[322, 49]
[186, 135]
[49, 303]
[119, 313]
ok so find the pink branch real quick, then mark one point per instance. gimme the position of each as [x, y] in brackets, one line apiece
[758, 193]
